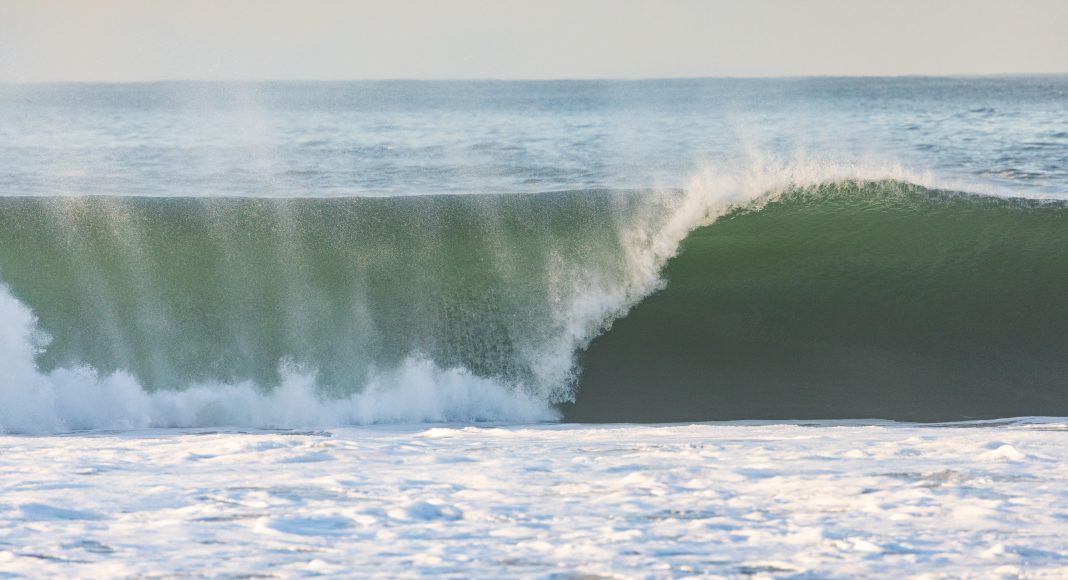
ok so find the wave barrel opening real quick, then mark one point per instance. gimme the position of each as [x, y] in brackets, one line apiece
[848, 300]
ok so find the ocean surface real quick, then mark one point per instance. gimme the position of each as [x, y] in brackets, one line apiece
[786, 328]
[307, 254]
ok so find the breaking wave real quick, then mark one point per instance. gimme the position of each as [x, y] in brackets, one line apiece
[143, 311]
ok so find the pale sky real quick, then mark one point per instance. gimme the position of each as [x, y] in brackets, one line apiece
[141, 40]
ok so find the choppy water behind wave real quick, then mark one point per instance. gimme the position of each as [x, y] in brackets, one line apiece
[400, 138]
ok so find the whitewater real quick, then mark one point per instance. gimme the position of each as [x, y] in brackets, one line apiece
[352, 329]
[827, 500]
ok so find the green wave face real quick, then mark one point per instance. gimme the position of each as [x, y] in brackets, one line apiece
[185, 290]
[848, 301]
[844, 300]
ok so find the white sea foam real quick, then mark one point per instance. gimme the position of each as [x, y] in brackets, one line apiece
[77, 398]
[834, 500]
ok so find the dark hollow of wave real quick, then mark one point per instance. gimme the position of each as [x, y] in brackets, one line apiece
[848, 301]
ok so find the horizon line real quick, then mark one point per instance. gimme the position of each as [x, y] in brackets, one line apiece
[539, 79]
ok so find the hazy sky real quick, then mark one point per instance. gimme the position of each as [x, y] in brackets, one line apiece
[133, 40]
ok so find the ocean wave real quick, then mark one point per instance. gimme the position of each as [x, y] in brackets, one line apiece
[313, 312]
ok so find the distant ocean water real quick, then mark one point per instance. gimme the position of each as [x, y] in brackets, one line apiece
[284, 254]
